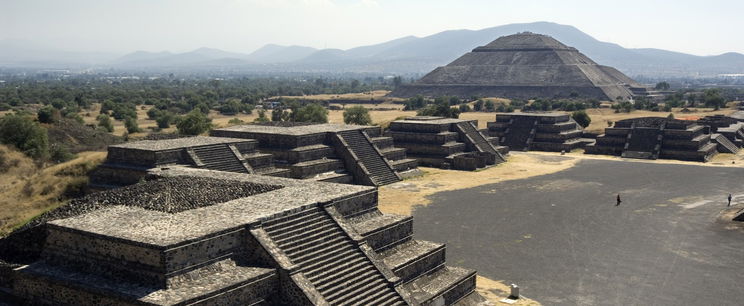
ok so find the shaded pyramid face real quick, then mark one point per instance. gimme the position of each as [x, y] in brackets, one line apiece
[524, 66]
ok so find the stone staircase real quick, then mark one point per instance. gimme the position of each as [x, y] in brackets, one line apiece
[517, 138]
[219, 157]
[724, 144]
[380, 172]
[420, 265]
[331, 260]
[644, 143]
[477, 140]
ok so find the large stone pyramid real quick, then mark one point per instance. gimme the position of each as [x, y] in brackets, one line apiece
[524, 66]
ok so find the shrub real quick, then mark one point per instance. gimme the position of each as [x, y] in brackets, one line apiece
[311, 113]
[48, 114]
[105, 122]
[131, 125]
[165, 120]
[235, 121]
[357, 115]
[59, 153]
[582, 118]
[25, 134]
[194, 123]
[439, 110]
[261, 116]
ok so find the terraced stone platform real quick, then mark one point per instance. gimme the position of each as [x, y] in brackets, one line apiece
[127, 163]
[328, 152]
[292, 242]
[547, 131]
[446, 143]
[655, 137]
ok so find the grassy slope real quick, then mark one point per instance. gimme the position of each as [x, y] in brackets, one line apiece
[27, 191]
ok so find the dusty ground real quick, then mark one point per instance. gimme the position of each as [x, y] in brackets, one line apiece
[401, 198]
[26, 191]
[496, 291]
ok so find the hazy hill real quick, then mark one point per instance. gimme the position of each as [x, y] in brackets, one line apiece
[407, 55]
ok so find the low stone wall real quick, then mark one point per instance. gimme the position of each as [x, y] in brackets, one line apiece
[415, 127]
[395, 233]
[440, 150]
[423, 138]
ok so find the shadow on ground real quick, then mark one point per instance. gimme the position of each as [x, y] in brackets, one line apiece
[563, 240]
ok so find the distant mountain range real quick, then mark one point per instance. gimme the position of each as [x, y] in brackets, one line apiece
[406, 56]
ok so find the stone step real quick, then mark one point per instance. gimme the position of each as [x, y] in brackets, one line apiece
[291, 222]
[334, 177]
[322, 245]
[329, 277]
[365, 292]
[319, 262]
[382, 297]
[272, 171]
[312, 254]
[382, 142]
[299, 232]
[449, 283]
[404, 164]
[344, 280]
[413, 258]
[383, 231]
[311, 234]
[313, 167]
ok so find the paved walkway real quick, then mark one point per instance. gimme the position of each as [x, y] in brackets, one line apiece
[561, 238]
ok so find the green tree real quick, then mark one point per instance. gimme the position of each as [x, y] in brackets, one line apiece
[105, 122]
[194, 123]
[131, 125]
[489, 106]
[712, 98]
[357, 115]
[441, 109]
[311, 113]
[478, 106]
[25, 134]
[415, 103]
[231, 107]
[277, 114]
[48, 114]
[154, 113]
[582, 118]
[165, 119]
[464, 108]
[261, 116]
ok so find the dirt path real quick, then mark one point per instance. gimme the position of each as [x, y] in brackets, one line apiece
[401, 198]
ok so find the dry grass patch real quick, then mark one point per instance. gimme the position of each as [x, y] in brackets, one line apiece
[369, 95]
[401, 198]
[27, 191]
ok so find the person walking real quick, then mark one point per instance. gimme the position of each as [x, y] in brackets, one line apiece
[729, 200]
[618, 200]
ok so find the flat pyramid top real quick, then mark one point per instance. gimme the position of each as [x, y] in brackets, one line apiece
[525, 40]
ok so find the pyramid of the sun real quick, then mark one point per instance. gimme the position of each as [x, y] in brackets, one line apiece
[524, 66]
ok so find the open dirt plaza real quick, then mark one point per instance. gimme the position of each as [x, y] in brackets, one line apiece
[555, 229]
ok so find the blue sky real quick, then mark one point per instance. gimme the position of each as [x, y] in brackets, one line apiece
[698, 27]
